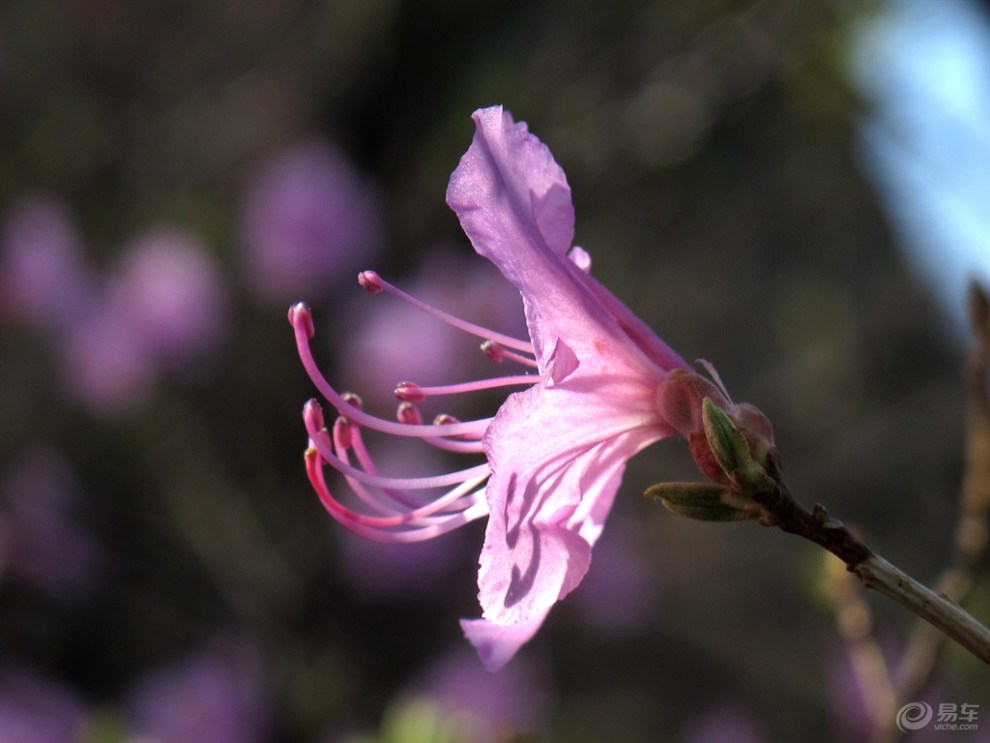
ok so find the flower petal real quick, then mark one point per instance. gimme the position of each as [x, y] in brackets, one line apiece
[508, 190]
[496, 644]
[557, 454]
[652, 346]
[514, 204]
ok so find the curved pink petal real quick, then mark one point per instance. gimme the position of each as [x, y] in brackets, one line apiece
[496, 644]
[514, 204]
[508, 189]
[557, 453]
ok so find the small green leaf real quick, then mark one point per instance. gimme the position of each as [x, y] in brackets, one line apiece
[703, 501]
[720, 512]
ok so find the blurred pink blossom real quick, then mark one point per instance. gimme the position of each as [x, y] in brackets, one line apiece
[208, 698]
[44, 279]
[308, 220]
[495, 707]
[104, 367]
[37, 710]
[170, 292]
[162, 309]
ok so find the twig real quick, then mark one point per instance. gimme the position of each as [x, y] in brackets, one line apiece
[781, 510]
[937, 609]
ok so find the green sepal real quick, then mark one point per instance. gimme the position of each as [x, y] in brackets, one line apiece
[703, 501]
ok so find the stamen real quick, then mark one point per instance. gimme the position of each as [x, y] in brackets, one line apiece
[301, 319]
[498, 353]
[451, 501]
[494, 351]
[302, 323]
[409, 414]
[352, 398]
[409, 500]
[362, 526]
[375, 284]
[414, 393]
[360, 490]
[364, 459]
[458, 447]
[371, 282]
[323, 446]
[410, 392]
[342, 433]
[402, 509]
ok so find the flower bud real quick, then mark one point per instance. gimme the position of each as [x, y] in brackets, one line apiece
[731, 444]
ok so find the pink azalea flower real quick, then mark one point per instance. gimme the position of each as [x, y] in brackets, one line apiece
[555, 451]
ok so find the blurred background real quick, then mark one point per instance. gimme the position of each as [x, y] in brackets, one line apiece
[797, 191]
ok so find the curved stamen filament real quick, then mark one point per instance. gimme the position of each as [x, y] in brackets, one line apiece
[415, 393]
[368, 465]
[359, 524]
[499, 353]
[302, 324]
[460, 496]
[321, 441]
[409, 413]
[401, 509]
[374, 283]
[457, 447]
[347, 437]
[342, 447]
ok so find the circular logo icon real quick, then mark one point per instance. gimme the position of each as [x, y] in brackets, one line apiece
[913, 716]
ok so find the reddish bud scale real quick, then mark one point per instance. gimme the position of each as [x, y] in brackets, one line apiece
[679, 400]
[704, 458]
